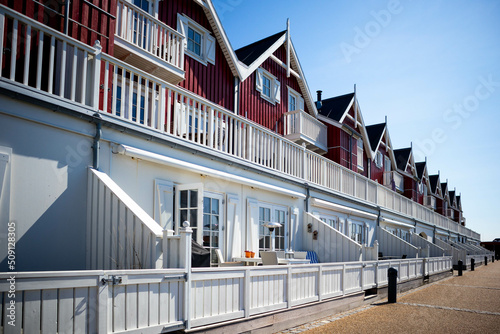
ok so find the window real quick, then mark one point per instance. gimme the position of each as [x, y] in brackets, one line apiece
[272, 213]
[212, 224]
[358, 232]
[122, 104]
[295, 100]
[387, 164]
[143, 4]
[268, 86]
[379, 159]
[189, 207]
[331, 221]
[360, 153]
[194, 41]
[200, 44]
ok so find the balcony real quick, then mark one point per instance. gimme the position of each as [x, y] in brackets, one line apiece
[74, 76]
[147, 43]
[394, 181]
[450, 213]
[300, 127]
[430, 202]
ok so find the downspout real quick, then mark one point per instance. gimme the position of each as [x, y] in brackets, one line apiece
[66, 16]
[97, 137]
[308, 195]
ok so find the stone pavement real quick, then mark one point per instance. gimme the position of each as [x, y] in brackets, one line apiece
[465, 304]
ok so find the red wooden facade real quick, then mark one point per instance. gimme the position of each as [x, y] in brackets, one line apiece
[261, 111]
[213, 82]
[86, 23]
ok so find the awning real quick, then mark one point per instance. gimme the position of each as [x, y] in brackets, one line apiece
[341, 208]
[395, 222]
[164, 160]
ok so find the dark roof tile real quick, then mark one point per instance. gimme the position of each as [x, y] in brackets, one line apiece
[248, 54]
[375, 132]
[335, 107]
[402, 155]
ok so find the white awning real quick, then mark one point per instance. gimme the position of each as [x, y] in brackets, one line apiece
[341, 208]
[395, 222]
[164, 160]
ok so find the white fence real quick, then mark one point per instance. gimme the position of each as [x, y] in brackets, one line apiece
[427, 246]
[298, 123]
[75, 71]
[393, 246]
[330, 245]
[120, 234]
[150, 301]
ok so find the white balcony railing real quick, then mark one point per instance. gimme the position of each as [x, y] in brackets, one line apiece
[430, 202]
[394, 181]
[152, 38]
[76, 72]
[300, 126]
[450, 213]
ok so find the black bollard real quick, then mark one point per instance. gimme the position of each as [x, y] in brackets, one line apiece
[460, 267]
[472, 261]
[392, 274]
[492, 259]
[485, 260]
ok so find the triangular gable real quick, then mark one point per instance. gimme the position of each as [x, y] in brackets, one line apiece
[255, 54]
[444, 190]
[435, 185]
[422, 173]
[404, 159]
[453, 202]
[221, 36]
[459, 202]
[375, 135]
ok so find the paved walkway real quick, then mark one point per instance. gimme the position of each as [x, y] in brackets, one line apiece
[466, 304]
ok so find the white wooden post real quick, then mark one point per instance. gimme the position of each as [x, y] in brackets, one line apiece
[320, 283]
[246, 305]
[304, 162]
[103, 296]
[97, 76]
[185, 261]
[289, 287]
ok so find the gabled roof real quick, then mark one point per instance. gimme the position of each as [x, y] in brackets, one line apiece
[434, 182]
[250, 53]
[402, 156]
[444, 190]
[459, 202]
[252, 56]
[420, 169]
[221, 36]
[335, 107]
[452, 198]
[375, 134]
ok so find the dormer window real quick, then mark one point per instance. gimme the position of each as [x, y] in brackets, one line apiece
[379, 159]
[360, 153]
[295, 100]
[200, 44]
[268, 86]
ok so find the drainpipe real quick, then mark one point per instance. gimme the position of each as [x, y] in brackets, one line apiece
[308, 195]
[97, 137]
[66, 16]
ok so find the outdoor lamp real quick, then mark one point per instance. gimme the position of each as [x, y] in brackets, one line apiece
[271, 226]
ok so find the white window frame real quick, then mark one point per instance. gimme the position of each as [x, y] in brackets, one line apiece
[379, 159]
[360, 153]
[360, 235]
[332, 221]
[198, 229]
[387, 162]
[299, 101]
[275, 86]
[221, 242]
[208, 42]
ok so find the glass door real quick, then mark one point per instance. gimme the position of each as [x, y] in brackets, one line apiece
[213, 225]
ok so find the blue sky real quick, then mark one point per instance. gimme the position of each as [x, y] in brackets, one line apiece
[431, 67]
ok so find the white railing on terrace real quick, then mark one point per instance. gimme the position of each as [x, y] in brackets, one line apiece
[83, 74]
[430, 202]
[298, 124]
[149, 34]
[394, 180]
[164, 300]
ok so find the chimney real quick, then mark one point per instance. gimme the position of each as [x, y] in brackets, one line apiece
[318, 102]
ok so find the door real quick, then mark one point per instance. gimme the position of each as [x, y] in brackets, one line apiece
[189, 208]
[213, 224]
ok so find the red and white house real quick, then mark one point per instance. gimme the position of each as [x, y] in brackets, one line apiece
[132, 134]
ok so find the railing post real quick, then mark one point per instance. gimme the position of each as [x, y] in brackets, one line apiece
[289, 287]
[103, 322]
[246, 307]
[185, 261]
[97, 75]
[304, 162]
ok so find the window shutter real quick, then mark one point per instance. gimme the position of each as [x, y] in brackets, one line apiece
[277, 91]
[234, 234]
[252, 225]
[210, 49]
[258, 80]
[182, 26]
[164, 204]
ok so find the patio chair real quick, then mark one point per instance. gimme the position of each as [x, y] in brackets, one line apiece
[269, 258]
[222, 263]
